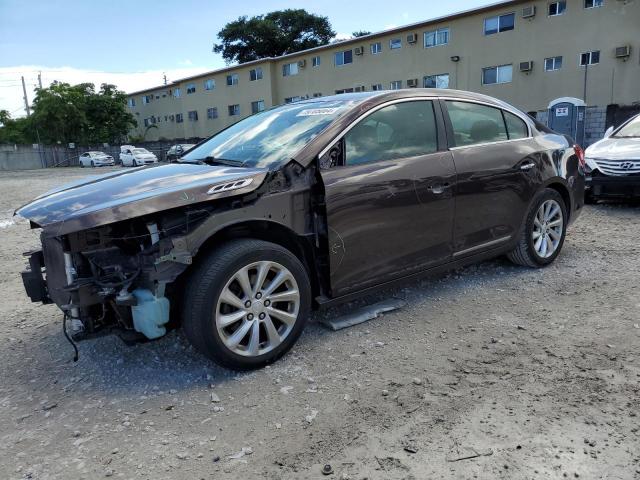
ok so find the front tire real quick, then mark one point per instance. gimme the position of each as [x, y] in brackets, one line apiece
[246, 304]
[543, 232]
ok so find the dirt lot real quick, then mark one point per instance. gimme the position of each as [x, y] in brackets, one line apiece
[494, 371]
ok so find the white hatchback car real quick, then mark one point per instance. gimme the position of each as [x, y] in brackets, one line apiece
[96, 159]
[131, 156]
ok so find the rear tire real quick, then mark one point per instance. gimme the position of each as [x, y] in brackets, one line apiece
[230, 312]
[543, 232]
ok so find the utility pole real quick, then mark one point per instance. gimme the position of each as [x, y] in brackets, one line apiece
[164, 75]
[26, 102]
[40, 79]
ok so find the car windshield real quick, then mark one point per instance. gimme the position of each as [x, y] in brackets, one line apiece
[630, 130]
[140, 150]
[271, 137]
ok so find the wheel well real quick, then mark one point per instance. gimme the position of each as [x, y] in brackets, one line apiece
[564, 193]
[268, 232]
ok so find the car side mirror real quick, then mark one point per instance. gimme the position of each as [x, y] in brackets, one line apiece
[609, 131]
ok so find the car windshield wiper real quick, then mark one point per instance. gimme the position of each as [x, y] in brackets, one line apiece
[222, 161]
[626, 136]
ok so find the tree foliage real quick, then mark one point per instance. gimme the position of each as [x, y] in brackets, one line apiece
[360, 33]
[65, 113]
[271, 35]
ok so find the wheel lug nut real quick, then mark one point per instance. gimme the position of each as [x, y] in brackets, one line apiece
[258, 295]
[247, 303]
[267, 303]
[261, 316]
[250, 316]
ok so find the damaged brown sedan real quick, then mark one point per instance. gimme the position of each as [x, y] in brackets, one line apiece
[302, 206]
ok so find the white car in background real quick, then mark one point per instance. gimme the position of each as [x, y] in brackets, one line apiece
[613, 163]
[96, 159]
[131, 156]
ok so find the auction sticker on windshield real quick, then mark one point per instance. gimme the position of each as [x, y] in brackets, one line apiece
[317, 111]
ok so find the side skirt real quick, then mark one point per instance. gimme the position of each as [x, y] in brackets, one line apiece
[326, 302]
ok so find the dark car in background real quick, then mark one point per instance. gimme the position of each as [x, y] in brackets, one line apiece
[176, 151]
[613, 163]
[303, 206]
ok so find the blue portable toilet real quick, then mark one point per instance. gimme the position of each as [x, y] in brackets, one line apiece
[566, 115]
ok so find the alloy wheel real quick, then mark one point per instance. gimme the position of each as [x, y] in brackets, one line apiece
[257, 308]
[548, 226]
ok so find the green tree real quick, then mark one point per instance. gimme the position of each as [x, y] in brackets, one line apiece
[65, 113]
[14, 130]
[360, 33]
[271, 35]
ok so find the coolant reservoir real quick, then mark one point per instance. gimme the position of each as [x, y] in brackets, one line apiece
[150, 314]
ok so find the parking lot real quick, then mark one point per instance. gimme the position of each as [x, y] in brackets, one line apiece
[493, 371]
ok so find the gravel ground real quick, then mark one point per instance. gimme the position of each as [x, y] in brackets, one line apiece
[493, 371]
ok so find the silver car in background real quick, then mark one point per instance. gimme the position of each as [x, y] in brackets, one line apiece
[613, 163]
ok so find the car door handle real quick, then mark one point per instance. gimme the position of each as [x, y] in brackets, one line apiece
[527, 166]
[438, 188]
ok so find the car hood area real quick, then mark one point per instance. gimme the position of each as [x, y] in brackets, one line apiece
[104, 199]
[615, 149]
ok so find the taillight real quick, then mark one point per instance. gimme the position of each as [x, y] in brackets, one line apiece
[580, 154]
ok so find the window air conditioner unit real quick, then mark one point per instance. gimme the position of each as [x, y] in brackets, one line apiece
[526, 66]
[302, 63]
[412, 38]
[412, 83]
[529, 12]
[623, 52]
[359, 51]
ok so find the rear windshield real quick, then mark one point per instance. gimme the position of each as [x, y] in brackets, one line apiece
[271, 137]
[140, 150]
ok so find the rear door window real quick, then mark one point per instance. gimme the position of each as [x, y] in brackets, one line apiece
[401, 130]
[474, 124]
[516, 128]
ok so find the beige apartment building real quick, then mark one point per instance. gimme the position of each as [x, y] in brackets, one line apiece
[527, 53]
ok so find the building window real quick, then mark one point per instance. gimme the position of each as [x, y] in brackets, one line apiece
[396, 85]
[131, 102]
[146, 122]
[193, 116]
[292, 99]
[315, 61]
[395, 43]
[191, 88]
[376, 87]
[257, 106]
[234, 110]
[437, 81]
[376, 48]
[147, 99]
[499, 74]
[436, 37]
[593, 3]
[212, 113]
[552, 63]
[557, 8]
[177, 92]
[344, 90]
[344, 58]
[232, 79]
[179, 118]
[289, 69]
[209, 84]
[255, 74]
[317, 95]
[501, 23]
[590, 58]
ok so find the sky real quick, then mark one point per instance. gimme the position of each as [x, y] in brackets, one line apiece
[133, 43]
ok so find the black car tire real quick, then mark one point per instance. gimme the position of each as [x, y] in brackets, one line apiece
[206, 284]
[525, 253]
